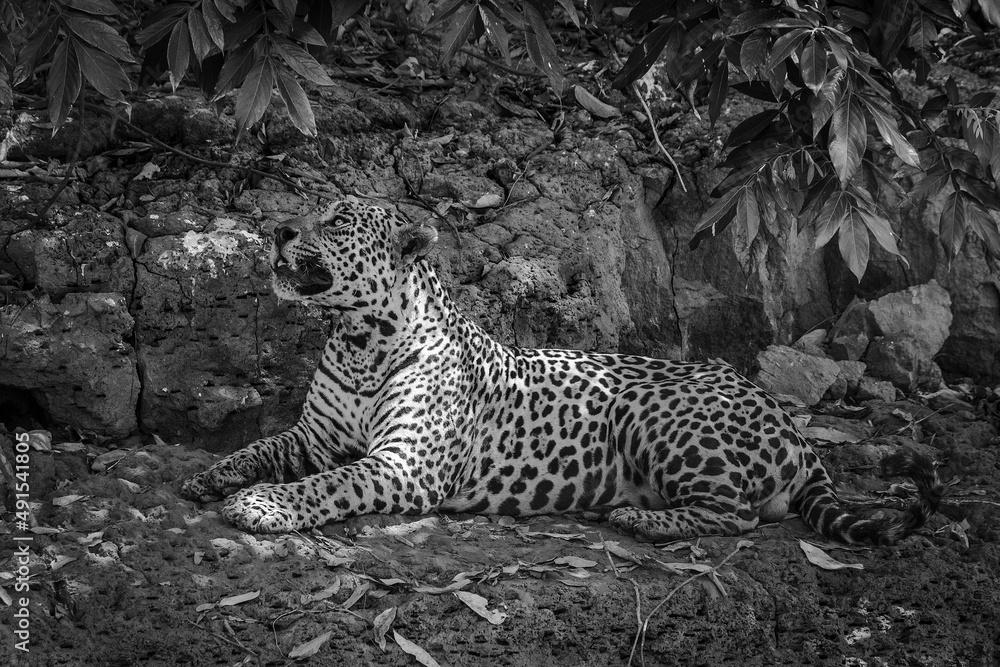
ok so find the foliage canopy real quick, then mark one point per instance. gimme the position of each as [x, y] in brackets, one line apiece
[843, 85]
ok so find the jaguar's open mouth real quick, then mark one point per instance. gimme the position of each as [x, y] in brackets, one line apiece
[309, 275]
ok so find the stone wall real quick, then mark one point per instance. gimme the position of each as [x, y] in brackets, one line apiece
[155, 314]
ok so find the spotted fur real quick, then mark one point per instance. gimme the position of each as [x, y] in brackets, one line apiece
[414, 408]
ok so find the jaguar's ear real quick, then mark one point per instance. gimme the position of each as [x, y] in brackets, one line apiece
[415, 241]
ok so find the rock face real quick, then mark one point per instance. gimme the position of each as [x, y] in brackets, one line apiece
[785, 370]
[73, 359]
[910, 327]
[584, 245]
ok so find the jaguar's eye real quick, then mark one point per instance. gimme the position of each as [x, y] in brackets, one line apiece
[338, 222]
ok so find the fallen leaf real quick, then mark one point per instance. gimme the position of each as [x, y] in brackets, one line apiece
[61, 561]
[239, 599]
[573, 561]
[572, 582]
[438, 590]
[594, 105]
[488, 201]
[422, 656]
[40, 441]
[820, 558]
[70, 447]
[827, 434]
[558, 536]
[616, 549]
[91, 539]
[44, 530]
[198, 556]
[683, 568]
[204, 606]
[5, 597]
[324, 594]
[382, 623]
[311, 647]
[477, 603]
[159, 441]
[62, 501]
[356, 595]
[146, 172]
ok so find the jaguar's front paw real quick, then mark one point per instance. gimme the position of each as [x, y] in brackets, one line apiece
[219, 481]
[265, 508]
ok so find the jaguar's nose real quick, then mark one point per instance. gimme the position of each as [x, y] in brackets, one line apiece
[284, 234]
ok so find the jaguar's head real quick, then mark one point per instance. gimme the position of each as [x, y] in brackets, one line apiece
[345, 255]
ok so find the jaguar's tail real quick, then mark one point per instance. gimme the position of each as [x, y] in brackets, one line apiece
[818, 504]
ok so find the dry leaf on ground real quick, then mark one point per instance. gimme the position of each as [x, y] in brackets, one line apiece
[477, 603]
[422, 656]
[311, 647]
[821, 559]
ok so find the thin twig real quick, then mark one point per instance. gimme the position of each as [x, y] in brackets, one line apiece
[71, 169]
[656, 135]
[202, 161]
[225, 639]
[641, 635]
[500, 66]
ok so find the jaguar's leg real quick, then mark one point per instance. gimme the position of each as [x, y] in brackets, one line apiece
[277, 458]
[724, 510]
[375, 484]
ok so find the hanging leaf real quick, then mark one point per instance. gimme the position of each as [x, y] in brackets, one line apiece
[99, 34]
[890, 133]
[201, 40]
[954, 223]
[541, 48]
[849, 136]
[718, 92]
[178, 53]
[98, 7]
[254, 96]
[753, 53]
[458, 31]
[299, 110]
[820, 558]
[63, 85]
[930, 185]
[236, 67]
[882, 231]
[853, 242]
[750, 128]
[103, 72]
[495, 32]
[302, 62]
[985, 227]
[785, 45]
[213, 23]
[833, 212]
[813, 65]
[824, 103]
[716, 218]
[748, 214]
[446, 10]
[647, 10]
[663, 39]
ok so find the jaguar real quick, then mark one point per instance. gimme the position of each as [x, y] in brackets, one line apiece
[414, 409]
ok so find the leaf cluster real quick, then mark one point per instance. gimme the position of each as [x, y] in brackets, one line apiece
[837, 129]
[247, 46]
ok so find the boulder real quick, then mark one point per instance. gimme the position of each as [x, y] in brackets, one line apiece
[849, 337]
[921, 313]
[869, 388]
[73, 358]
[846, 383]
[785, 370]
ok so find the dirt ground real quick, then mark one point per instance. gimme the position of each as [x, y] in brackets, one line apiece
[125, 572]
